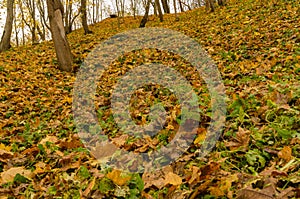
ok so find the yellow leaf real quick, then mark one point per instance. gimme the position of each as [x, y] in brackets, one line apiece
[6, 148]
[285, 153]
[201, 136]
[173, 179]
[117, 177]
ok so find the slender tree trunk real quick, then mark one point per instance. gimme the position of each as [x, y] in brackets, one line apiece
[210, 5]
[181, 7]
[16, 31]
[133, 7]
[5, 40]
[175, 10]
[118, 13]
[161, 18]
[154, 8]
[61, 44]
[43, 21]
[165, 6]
[145, 18]
[33, 33]
[84, 17]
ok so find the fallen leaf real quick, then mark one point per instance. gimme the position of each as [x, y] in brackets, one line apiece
[9, 175]
[242, 140]
[117, 177]
[285, 153]
[5, 155]
[89, 187]
[48, 138]
[173, 179]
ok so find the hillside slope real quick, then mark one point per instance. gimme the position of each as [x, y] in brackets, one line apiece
[256, 46]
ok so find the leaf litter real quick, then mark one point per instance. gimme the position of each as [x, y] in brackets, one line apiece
[256, 45]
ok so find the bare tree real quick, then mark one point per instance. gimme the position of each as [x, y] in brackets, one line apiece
[175, 11]
[61, 44]
[31, 24]
[160, 14]
[145, 18]
[165, 6]
[16, 30]
[180, 5]
[84, 17]
[41, 9]
[133, 6]
[210, 5]
[69, 16]
[5, 40]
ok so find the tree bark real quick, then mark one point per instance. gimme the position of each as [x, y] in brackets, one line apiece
[61, 44]
[210, 5]
[175, 10]
[181, 7]
[145, 18]
[159, 10]
[165, 6]
[5, 40]
[84, 17]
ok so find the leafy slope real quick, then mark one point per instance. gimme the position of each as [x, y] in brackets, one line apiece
[256, 45]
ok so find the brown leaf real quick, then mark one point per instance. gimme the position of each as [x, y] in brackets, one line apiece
[242, 140]
[195, 175]
[104, 150]
[153, 179]
[9, 175]
[5, 155]
[285, 153]
[121, 140]
[267, 191]
[173, 179]
[48, 138]
[89, 187]
[209, 169]
[74, 143]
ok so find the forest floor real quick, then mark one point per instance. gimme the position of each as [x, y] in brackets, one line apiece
[256, 46]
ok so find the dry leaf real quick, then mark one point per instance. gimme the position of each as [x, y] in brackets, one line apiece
[242, 140]
[117, 177]
[5, 155]
[104, 151]
[173, 179]
[9, 175]
[285, 153]
[48, 138]
[90, 187]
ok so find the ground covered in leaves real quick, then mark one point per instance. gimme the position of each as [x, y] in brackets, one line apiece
[256, 46]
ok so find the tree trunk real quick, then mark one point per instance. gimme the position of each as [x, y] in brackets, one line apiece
[145, 18]
[84, 18]
[181, 7]
[175, 10]
[16, 31]
[210, 5]
[61, 44]
[5, 40]
[165, 6]
[154, 8]
[221, 2]
[159, 10]
[133, 7]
